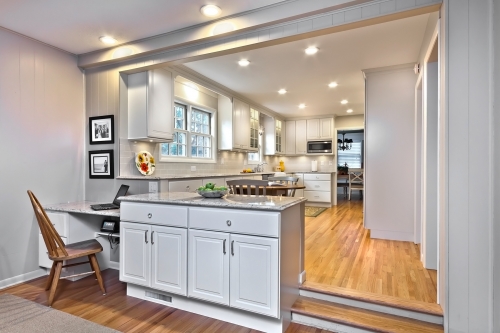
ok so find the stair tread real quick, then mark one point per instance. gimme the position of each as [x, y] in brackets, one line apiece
[364, 319]
[395, 302]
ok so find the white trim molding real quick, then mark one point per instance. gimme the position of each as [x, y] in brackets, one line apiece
[22, 278]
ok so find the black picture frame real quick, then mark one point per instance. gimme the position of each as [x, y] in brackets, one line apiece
[101, 164]
[102, 130]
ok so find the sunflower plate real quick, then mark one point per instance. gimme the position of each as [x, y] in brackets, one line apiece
[145, 163]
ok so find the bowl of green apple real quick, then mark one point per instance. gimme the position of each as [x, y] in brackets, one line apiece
[210, 190]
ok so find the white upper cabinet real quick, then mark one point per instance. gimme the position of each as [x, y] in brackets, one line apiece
[151, 105]
[313, 129]
[326, 128]
[274, 136]
[235, 125]
[290, 140]
[300, 137]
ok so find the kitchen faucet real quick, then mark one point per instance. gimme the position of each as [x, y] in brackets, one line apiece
[259, 167]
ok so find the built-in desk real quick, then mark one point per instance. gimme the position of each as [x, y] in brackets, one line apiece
[75, 222]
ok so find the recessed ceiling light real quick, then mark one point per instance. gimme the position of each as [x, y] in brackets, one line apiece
[244, 62]
[344, 101]
[107, 40]
[311, 50]
[301, 106]
[210, 10]
[349, 111]
[333, 84]
[282, 91]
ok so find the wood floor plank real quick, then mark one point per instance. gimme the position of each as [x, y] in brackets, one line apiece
[339, 252]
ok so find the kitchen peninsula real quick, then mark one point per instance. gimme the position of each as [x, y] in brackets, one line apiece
[238, 259]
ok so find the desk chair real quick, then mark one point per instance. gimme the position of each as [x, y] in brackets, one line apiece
[356, 181]
[245, 186]
[59, 252]
[285, 181]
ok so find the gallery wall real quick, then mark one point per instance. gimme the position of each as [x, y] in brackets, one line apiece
[41, 135]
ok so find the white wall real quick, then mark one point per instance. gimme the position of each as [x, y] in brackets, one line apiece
[390, 152]
[357, 121]
[41, 135]
[468, 200]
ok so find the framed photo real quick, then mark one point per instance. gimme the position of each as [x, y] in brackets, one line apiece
[102, 129]
[101, 164]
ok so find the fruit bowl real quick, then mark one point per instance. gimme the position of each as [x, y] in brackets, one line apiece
[212, 194]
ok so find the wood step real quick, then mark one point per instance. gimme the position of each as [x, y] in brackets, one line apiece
[360, 318]
[395, 302]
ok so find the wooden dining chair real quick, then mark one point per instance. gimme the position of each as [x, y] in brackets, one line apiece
[58, 252]
[356, 181]
[245, 186]
[285, 180]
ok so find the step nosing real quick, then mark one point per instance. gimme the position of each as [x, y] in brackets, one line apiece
[373, 301]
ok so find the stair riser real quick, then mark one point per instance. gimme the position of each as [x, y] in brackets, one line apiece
[374, 307]
[325, 324]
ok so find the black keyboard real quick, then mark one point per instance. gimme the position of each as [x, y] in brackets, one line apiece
[104, 207]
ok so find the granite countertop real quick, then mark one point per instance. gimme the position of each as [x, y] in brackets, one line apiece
[188, 176]
[271, 203]
[81, 207]
[316, 172]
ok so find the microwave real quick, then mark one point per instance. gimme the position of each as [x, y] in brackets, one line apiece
[319, 147]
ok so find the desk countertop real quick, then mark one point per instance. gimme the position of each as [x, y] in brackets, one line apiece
[81, 207]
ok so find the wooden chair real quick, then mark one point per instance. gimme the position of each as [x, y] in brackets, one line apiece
[245, 186]
[59, 252]
[356, 181]
[285, 181]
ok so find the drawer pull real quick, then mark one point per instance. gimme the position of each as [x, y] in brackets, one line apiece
[232, 248]
[150, 215]
[146, 236]
[224, 247]
[152, 233]
[228, 222]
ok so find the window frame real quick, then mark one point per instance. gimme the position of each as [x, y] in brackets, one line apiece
[190, 105]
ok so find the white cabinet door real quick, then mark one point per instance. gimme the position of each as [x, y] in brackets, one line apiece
[254, 274]
[169, 259]
[313, 129]
[184, 185]
[135, 253]
[290, 140]
[300, 137]
[241, 124]
[161, 104]
[326, 130]
[209, 266]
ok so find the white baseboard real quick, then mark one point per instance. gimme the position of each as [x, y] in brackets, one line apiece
[391, 235]
[302, 277]
[22, 278]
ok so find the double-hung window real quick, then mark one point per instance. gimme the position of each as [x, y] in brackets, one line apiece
[352, 157]
[193, 135]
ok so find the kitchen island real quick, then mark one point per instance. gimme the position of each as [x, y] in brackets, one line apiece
[238, 259]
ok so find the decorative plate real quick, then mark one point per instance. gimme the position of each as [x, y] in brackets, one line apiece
[145, 163]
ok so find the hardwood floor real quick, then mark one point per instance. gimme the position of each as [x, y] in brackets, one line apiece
[116, 310]
[339, 252]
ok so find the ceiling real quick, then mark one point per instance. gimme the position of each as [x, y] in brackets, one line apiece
[76, 25]
[340, 58]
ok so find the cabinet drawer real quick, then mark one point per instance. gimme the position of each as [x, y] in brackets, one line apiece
[235, 221]
[318, 185]
[60, 223]
[154, 214]
[320, 176]
[318, 196]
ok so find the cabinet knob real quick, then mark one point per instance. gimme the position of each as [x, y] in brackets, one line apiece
[150, 215]
[228, 222]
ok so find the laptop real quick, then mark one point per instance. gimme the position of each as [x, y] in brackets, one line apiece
[116, 203]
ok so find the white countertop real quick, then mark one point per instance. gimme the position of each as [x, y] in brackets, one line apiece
[272, 203]
[81, 207]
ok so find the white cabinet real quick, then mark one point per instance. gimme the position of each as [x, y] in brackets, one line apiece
[234, 125]
[254, 276]
[274, 136]
[326, 128]
[241, 124]
[318, 187]
[290, 140]
[209, 266]
[151, 105]
[313, 129]
[184, 185]
[154, 256]
[300, 137]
